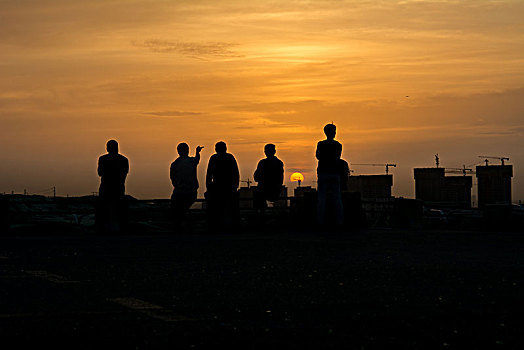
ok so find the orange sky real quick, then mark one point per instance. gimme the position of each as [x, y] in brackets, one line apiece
[154, 73]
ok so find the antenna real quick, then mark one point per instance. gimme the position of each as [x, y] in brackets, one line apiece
[502, 159]
[386, 165]
[437, 160]
[248, 182]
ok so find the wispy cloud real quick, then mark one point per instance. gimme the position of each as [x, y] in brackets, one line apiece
[503, 131]
[191, 49]
[278, 107]
[257, 142]
[173, 114]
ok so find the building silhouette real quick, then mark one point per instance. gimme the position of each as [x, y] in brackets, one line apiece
[434, 188]
[494, 184]
[247, 194]
[371, 186]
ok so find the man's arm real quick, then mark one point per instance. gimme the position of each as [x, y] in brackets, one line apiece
[125, 170]
[236, 173]
[281, 174]
[172, 175]
[209, 173]
[257, 174]
[317, 153]
[339, 150]
[197, 153]
[100, 168]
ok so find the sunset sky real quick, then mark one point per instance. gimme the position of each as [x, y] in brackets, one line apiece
[152, 74]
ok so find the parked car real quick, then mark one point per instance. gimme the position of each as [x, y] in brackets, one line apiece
[435, 217]
[465, 218]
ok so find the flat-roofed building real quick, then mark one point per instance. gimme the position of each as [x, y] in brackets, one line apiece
[371, 186]
[494, 184]
[433, 187]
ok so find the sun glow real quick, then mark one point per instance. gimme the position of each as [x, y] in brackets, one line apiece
[297, 177]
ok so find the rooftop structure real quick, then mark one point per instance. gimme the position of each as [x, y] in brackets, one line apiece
[435, 188]
[494, 184]
[371, 186]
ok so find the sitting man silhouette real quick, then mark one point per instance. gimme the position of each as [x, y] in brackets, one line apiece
[222, 180]
[270, 176]
[328, 154]
[183, 174]
[112, 169]
[343, 168]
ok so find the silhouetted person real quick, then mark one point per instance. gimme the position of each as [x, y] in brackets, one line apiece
[112, 169]
[328, 171]
[183, 174]
[270, 176]
[343, 169]
[222, 180]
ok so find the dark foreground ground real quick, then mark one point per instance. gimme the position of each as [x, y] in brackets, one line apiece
[360, 290]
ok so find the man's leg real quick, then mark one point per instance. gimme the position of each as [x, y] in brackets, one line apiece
[181, 202]
[176, 209]
[321, 200]
[211, 208]
[337, 197]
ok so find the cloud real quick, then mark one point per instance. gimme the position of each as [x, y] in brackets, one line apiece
[242, 141]
[173, 114]
[190, 49]
[276, 107]
[503, 131]
[263, 123]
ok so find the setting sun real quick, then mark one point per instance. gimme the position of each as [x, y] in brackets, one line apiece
[297, 177]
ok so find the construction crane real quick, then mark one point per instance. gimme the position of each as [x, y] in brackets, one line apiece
[462, 170]
[386, 165]
[486, 159]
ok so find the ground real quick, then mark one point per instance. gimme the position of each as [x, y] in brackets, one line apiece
[410, 289]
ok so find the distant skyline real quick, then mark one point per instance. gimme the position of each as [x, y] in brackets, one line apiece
[402, 80]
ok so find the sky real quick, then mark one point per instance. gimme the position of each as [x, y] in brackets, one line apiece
[402, 80]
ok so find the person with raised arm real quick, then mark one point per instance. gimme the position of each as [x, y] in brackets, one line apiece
[183, 175]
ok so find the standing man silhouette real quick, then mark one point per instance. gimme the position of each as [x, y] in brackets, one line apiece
[270, 176]
[183, 174]
[222, 180]
[343, 168]
[112, 169]
[328, 154]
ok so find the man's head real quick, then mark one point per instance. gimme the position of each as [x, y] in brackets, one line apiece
[270, 150]
[221, 147]
[112, 147]
[182, 149]
[330, 130]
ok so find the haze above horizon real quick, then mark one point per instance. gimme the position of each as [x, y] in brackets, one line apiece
[402, 80]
